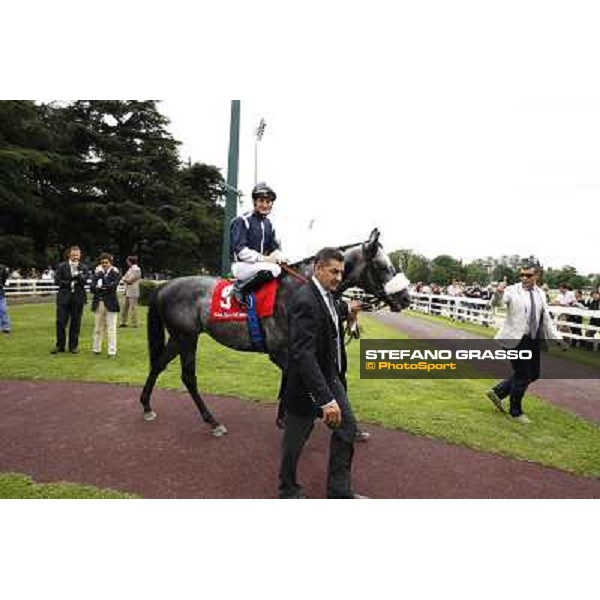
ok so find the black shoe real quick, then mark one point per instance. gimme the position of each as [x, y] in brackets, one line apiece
[74, 351]
[361, 436]
[352, 496]
[298, 495]
[56, 350]
[6, 331]
[123, 325]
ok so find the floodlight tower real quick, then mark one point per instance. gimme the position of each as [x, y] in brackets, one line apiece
[260, 131]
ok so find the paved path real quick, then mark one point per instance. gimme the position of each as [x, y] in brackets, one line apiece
[581, 396]
[94, 433]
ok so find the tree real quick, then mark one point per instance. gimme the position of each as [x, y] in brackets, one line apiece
[445, 268]
[106, 175]
[501, 272]
[25, 153]
[414, 266]
[198, 226]
[476, 272]
[568, 275]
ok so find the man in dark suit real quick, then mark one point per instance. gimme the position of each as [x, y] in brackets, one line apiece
[315, 385]
[70, 277]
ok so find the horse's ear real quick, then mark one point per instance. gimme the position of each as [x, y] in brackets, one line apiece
[372, 244]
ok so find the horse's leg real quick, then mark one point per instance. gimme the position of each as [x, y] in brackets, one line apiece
[187, 352]
[167, 355]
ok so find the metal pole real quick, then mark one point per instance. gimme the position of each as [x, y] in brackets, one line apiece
[232, 179]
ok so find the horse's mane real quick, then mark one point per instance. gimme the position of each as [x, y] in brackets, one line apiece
[310, 259]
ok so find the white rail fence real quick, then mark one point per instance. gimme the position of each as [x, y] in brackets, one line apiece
[458, 308]
[36, 287]
[475, 310]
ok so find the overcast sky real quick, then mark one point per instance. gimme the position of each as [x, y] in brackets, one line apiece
[470, 170]
[466, 128]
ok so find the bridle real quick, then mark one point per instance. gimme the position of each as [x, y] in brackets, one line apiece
[370, 301]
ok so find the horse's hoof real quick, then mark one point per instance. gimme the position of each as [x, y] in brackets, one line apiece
[149, 416]
[219, 431]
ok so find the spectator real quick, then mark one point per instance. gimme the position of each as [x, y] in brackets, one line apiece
[33, 274]
[454, 289]
[577, 319]
[566, 297]
[435, 301]
[593, 304]
[71, 277]
[4, 319]
[132, 291]
[105, 304]
[16, 274]
[528, 326]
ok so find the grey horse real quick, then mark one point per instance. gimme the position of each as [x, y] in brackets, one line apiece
[182, 307]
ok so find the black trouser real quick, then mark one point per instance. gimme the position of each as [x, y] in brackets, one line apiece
[341, 450]
[68, 313]
[524, 373]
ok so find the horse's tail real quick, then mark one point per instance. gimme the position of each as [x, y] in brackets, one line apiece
[156, 331]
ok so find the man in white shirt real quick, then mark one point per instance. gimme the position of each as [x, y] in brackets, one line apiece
[131, 279]
[527, 326]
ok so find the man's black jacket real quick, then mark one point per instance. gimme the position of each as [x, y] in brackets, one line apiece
[312, 366]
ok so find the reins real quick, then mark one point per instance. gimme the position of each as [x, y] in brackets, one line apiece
[293, 273]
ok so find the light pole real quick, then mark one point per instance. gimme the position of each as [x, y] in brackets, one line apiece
[231, 186]
[260, 131]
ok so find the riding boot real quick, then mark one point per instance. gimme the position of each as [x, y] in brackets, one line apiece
[242, 288]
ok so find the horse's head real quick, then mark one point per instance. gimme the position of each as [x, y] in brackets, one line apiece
[367, 266]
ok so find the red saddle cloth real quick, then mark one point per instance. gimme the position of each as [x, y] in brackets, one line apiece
[224, 307]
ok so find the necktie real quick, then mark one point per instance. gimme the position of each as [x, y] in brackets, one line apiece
[532, 316]
[335, 322]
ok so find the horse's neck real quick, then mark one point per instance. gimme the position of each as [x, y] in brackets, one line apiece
[304, 268]
[352, 259]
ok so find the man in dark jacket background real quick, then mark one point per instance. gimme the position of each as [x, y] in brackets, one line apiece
[315, 384]
[105, 304]
[71, 277]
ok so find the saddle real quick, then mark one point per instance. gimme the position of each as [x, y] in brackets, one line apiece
[225, 307]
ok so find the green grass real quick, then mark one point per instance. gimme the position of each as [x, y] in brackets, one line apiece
[455, 411]
[15, 485]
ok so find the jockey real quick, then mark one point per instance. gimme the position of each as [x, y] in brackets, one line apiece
[254, 247]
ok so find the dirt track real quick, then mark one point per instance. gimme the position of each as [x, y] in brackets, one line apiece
[94, 433]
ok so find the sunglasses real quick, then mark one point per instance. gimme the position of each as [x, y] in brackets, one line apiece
[526, 275]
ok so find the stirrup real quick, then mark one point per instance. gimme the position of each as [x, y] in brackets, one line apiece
[239, 296]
